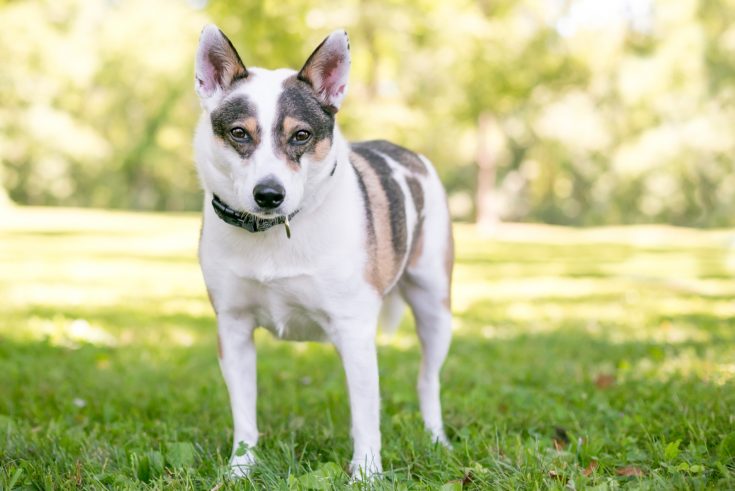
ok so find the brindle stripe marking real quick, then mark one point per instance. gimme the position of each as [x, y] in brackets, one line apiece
[394, 194]
[403, 156]
[366, 200]
[417, 195]
[384, 264]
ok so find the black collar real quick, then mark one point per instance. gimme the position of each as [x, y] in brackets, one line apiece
[248, 221]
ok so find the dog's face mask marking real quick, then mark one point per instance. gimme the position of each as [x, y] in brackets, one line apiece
[235, 122]
[267, 126]
[303, 126]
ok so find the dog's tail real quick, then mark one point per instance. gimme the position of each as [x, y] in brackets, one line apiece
[391, 312]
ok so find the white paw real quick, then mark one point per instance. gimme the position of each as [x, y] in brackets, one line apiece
[438, 436]
[242, 465]
[365, 469]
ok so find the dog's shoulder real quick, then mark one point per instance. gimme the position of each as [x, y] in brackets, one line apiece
[382, 155]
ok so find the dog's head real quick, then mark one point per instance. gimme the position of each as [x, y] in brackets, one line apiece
[266, 137]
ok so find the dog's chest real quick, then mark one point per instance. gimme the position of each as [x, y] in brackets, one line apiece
[287, 307]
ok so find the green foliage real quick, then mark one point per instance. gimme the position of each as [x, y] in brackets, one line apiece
[325, 477]
[623, 117]
[180, 454]
[595, 359]
[97, 105]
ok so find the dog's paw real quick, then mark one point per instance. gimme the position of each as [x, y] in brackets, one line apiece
[242, 465]
[365, 470]
[441, 438]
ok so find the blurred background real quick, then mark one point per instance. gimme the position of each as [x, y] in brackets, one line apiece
[598, 123]
[577, 112]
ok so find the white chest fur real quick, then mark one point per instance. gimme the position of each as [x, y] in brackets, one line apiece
[289, 307]
[293, 287]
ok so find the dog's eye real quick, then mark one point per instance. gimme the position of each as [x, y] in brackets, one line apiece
[240, 134]
[300, 137]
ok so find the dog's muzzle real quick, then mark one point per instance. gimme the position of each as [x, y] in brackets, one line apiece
[248, 221]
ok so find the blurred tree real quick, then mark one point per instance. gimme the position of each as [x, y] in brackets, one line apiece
[94, 94]
[605, 112]
[515, 59]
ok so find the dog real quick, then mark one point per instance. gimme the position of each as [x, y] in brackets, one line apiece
[312, 237]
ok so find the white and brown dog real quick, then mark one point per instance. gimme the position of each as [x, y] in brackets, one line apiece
[313, 237]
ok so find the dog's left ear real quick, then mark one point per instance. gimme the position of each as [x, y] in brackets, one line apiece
[328, 68]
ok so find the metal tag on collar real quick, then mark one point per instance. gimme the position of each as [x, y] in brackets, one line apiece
[288, 227]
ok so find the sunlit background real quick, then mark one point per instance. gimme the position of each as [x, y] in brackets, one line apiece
[588, 150]
[581, 112]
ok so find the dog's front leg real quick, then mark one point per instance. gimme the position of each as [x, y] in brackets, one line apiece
[237, 361]
[359, 358]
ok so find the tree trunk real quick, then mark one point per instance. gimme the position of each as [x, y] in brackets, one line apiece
[486, 200]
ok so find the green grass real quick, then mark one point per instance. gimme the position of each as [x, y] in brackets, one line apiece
[579, 356]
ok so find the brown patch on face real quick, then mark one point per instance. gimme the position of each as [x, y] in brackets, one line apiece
[290, 125]
[299, 109]
[318, 151]
[251, 126]
[449, 266]
[383, 264]
[321, 149]
[234, 112]
[292, 164]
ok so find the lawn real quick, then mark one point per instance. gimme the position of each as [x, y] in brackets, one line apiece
[598, 359]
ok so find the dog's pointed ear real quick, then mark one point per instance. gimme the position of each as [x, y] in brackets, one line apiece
[328, 68]
[217, 63]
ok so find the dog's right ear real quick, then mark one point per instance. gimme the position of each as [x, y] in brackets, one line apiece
[217, 63]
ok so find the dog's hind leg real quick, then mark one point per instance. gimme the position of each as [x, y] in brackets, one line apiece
[426, 288]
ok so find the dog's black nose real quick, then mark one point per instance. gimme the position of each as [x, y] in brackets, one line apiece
[269, 194]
